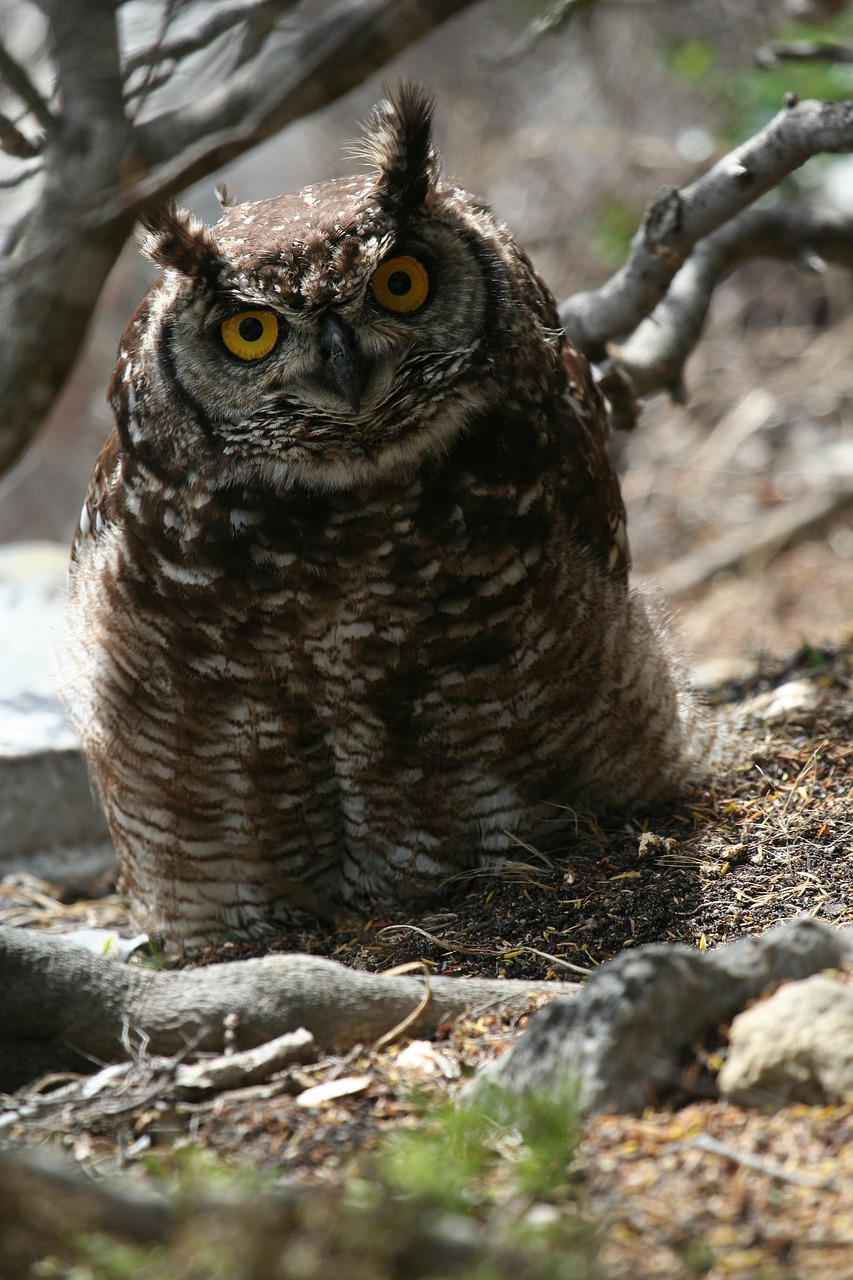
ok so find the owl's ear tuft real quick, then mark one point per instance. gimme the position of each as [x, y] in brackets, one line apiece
[179, 241]
[225, 195]
[398, 135]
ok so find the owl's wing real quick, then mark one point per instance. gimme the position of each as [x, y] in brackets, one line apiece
[597, 510]
[96, 513]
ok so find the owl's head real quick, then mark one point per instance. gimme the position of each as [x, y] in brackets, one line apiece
[335, 334]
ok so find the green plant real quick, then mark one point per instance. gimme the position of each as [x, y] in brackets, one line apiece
[499, 1173]
[465, 1156]
[748, 96]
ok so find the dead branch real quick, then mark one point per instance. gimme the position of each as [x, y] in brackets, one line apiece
[64, 1008]
[554, 19]
[15, 143]
[776, 51]
[677, 220]
[16, 78]
[258, 14]
[653, 356]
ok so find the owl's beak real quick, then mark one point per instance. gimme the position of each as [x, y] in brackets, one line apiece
[337, 342]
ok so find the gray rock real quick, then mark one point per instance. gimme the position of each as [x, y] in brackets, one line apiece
[50, 826]
[32, 579]
[796, 1046]
[621, 1043]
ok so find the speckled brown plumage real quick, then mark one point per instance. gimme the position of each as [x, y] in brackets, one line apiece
[352, 616]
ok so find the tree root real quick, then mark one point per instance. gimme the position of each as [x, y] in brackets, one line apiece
[64, 1008]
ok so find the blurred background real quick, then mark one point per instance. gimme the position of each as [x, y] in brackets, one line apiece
[569, 137]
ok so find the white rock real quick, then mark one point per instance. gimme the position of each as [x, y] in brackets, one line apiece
[796, 700]
[32, 579]
[49, 824]
[797, 1046]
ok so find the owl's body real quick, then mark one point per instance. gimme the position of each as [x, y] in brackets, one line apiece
[349, 608]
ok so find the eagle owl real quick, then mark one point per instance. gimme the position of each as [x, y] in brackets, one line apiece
[348, 607]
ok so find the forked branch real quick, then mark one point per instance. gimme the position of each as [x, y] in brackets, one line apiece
[676, 221]
[654, 354]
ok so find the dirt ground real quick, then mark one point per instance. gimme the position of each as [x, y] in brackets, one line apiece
[694, 1187]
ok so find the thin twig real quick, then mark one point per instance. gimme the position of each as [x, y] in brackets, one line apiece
[403, 1025]
[150, 56]
[562, 964]
[21, 84]
[548, 23]
[155, 54]
[704, 1142]
[776, 51]
[458, 948]
[15, 143]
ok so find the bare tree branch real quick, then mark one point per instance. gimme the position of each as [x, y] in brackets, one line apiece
[292, 77]
[151, 77]
[15, 143]
[258, 14]
[20, 177]
[654, 355]
[770, 55]
[548, 23]
[676, 220]
[22, 86]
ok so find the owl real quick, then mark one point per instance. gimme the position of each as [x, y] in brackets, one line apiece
[348, 609]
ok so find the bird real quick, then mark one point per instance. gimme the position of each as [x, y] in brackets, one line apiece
[348, 609]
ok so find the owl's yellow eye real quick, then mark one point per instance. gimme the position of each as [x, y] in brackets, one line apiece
[249, 335]
[401, 284]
